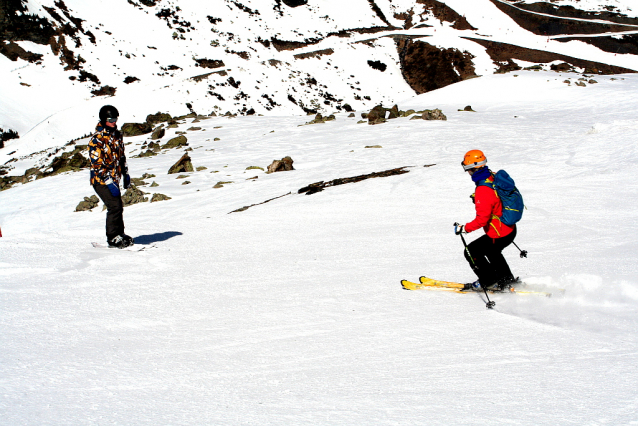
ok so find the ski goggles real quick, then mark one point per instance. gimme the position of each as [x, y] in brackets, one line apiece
[471, 166]
[111, 120]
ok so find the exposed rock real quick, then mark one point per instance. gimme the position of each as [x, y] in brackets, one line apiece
[183, 165]
[68, 161]
[379, 114]
[430, 114]
[282, 165]
[209, 63]
[158, 133]
[467, 108]
[503, 52]
[176, 142]
[159, 197]
[320, 186]
[133, 196]
[542, 24]
[426, 67]
[104, 91]
[321, 119]
[160, 117]
[88, 204]
[136, 129]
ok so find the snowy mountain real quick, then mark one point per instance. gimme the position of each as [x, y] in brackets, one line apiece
[263, 298]
[287, 57]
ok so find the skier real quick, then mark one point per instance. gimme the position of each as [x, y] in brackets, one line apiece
[108, 167]
[485, 257]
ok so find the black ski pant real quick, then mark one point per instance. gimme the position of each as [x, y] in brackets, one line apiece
[487, 261]
[114, 210]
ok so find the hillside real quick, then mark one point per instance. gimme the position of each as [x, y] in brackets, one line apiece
[260, 298]
[292, 57]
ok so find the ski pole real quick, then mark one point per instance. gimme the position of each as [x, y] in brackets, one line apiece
[489, 304]
[523, 252]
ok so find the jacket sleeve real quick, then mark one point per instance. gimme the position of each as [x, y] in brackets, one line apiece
[99, 172]
[484, 204]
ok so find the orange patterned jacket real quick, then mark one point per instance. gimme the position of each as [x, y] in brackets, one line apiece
[106, 152]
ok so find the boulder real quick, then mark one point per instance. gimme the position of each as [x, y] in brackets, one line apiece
[282, 165]
[88, 203]
[159, 197]
[177, 142]
[160, 117]
[183, 165]
[158, 133]
[133, 196]
[434, 114]
[136, 129]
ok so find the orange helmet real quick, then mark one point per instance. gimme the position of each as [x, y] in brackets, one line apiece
[473, 159]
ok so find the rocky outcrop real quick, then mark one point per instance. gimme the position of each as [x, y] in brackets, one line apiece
[503, 52]
[542, 24]
[426, 67]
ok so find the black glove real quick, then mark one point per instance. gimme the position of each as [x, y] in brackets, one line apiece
[127, 181]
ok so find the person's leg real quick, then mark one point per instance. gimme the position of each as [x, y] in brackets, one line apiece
[502, 271]
[479, 262]
[114, 210]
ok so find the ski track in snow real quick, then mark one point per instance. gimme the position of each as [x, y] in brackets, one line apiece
[291, 312]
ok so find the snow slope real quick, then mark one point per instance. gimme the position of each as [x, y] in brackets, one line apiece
[291, 312]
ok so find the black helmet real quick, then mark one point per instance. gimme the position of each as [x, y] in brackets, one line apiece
[108, 111]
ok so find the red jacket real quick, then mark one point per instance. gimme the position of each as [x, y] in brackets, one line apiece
[488, 212]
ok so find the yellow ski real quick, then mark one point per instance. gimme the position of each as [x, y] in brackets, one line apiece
[426, 283]
[409, 285]
[430, 282]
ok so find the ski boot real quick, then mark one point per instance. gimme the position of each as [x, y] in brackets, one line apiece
[121, 241]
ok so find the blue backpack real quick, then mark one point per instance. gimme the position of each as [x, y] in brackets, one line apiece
[510, 197]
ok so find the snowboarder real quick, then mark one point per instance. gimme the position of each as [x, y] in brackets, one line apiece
[108, 168]
[485, 257]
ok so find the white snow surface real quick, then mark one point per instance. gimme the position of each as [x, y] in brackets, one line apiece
[292, 312]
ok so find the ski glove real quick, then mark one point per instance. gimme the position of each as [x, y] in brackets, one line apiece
[115, 189]
[127, 181]
[459, 229]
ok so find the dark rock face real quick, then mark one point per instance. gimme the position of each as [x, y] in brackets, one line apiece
[621, 45]
[556, 25]
[503, 52]
[444, 13]
[426, 67]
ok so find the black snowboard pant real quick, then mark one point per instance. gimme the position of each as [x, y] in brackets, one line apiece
[114, 210]
[487, 261]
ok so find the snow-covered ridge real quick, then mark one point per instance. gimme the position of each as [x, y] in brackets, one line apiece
[266, 57]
